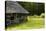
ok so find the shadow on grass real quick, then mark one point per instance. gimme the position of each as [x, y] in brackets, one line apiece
[14, 25]
[11, 26]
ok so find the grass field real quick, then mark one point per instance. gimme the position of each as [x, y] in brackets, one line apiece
[33, 23]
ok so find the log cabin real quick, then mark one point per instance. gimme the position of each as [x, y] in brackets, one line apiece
[15, 13]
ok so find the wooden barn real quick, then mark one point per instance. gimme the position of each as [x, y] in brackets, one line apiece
[15, 13]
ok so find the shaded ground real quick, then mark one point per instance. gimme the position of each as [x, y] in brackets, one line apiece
[33, 22]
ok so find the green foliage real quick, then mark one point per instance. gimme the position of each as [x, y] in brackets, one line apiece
[33, 8]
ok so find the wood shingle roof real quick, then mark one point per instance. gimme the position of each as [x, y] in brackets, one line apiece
[14, 7]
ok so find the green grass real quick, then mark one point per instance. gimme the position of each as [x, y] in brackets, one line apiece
[33, 22]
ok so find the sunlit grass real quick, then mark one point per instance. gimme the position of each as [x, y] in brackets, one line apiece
[33, 22]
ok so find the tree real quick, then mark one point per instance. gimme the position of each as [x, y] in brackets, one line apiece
[33, 8]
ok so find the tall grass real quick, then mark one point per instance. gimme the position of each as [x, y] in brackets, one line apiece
[33, 22]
